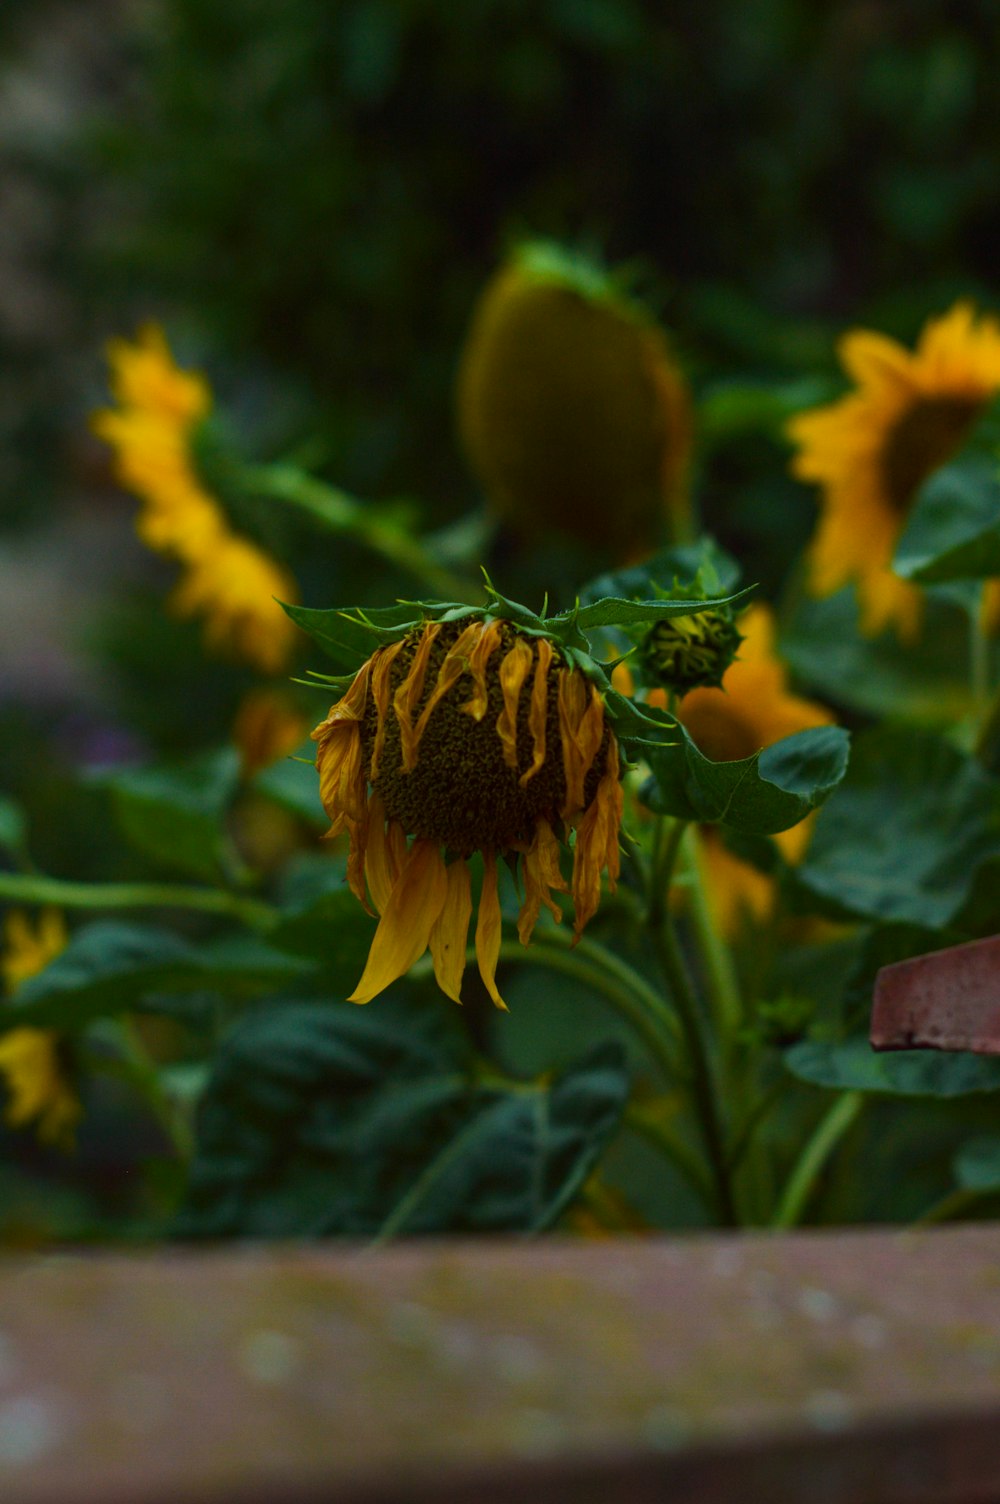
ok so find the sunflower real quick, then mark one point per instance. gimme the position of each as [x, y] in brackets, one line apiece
[571, 408]
[873, 449]
[464, 736]
[31, 1060]
[227, 578]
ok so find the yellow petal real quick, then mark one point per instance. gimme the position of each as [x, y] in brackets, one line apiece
[380, 866]
[538, 710]
[450, 934]
[514, 669]
[597, 844]
[581, 728]
[541, 873]
[489, 640]
[407, 696]
[489, 926]
[453, 666]
[381, 665]
[405, 927]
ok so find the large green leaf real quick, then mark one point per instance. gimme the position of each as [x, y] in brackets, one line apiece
[323, 1118]
[351, 634]
[671, 566]
[758, 795]
[912, 823]
[954, 530]
[823, 645]
[321, 918]
[175, 814]
[108, 967]
[852, 1065]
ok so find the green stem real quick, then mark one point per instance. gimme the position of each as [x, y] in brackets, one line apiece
[825, 1138]
[723, 985]
[345, 514]
[662, 1137]
[704, 1068]
[31, 888]
[142, 1073]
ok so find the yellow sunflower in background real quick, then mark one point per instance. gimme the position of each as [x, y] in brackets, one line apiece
[31, 1064]
[228, 579]
[753, 708]
[872, 450]
[460, 737]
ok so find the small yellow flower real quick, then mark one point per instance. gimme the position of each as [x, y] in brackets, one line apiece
[237, 588]
[572, 411]
[753, 708]
[872, 450]
[228, 579]
[467, 736]
[30, 1059]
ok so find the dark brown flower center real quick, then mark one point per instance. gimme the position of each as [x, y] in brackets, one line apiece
[461, 793]
[924, 438]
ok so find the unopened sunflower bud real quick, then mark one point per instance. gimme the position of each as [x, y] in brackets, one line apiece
[689, 652]
[572, 412]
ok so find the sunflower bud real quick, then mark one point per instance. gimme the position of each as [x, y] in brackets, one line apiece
[689, 652]
[573, 414]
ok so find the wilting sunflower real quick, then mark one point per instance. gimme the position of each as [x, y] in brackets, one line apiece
[227, 579]
[571, 407]
[32, 1062]
[873, 449]
[462, 736]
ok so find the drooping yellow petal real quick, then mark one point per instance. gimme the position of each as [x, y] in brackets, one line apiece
[489, 641]
[454, 664]
[581, 730]
[381, 666]
[514, 669]
[450, 934]
[339, 761]
[356, 854]
[538, 709]
[489, 928]
[540, 866]
[596, 847]
[404, 929]
[407, 696]
[383, 855]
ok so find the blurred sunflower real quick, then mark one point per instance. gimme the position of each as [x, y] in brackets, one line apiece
[228, 579]
[873, 449]
[753, 708]
[571, 408]
[463, 736]
[31, 1060]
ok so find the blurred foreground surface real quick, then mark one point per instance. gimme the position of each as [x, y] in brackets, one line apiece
[863, 1366]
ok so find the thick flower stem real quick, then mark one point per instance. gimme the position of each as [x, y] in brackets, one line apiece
[701, 1048]
[825, 1138]
[724, 987]
[344, 514]
[33, 888]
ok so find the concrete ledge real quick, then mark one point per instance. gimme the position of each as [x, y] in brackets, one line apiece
[829, 1367]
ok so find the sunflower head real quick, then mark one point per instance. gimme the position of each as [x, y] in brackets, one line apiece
[871, 451]
[463, 736]
[572, 411]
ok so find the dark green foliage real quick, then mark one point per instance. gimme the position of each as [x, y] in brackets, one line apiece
[320, 1118]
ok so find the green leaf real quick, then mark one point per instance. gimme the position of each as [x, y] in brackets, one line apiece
[758, 795]
[175, 814]
[953, 530]
[852, 1065]
[293, 783]
[977, 1164]
[323, 1118]
[912, 823]
[824, 647]
[13, 827]
[322, 919]
[679, 565]
[109, 967]
[351, 634]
